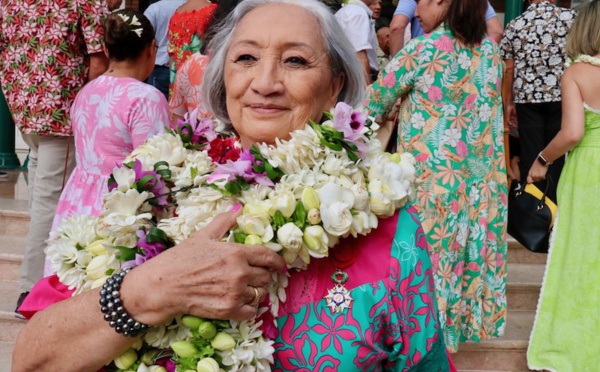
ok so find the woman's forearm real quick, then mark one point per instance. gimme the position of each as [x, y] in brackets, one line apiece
[71, 335]
[563, 142]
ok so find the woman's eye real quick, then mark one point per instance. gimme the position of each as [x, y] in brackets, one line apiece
[245, 58]
[295, 61]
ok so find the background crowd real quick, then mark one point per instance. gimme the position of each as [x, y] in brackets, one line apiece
[106, 79]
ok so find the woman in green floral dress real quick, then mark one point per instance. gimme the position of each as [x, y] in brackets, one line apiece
[451, 120]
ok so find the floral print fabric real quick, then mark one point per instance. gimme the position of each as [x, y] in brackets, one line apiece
[111, 116]
[45, 44]
[451, 120]
[186, 95]
[185, 35]
[392, 324]
[536, 41]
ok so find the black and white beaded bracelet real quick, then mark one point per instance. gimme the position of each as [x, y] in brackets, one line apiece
[112, 308]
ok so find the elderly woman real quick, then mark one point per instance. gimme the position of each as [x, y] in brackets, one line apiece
[450, 119]
[267, 82]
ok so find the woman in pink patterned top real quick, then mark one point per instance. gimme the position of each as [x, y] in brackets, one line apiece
[113, 114]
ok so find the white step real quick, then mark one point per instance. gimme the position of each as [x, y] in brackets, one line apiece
[6, 349]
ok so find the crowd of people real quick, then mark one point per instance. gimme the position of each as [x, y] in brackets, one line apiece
[435, 73]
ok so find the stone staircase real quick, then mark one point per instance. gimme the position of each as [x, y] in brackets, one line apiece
[525, 272]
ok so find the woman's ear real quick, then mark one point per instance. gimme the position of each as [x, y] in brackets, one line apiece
[105, 51]
[337, 84]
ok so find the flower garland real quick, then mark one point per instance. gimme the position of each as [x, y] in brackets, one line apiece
[595, 61]
[300, 196]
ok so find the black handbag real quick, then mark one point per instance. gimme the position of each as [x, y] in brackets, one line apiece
[530, 216]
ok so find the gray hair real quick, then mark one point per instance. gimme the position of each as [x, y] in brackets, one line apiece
[342, 57]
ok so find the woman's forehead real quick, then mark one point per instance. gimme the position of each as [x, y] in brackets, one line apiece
[287, 24]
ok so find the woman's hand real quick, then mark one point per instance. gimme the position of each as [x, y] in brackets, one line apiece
[513, 172]
[537, 172]
[202, 276]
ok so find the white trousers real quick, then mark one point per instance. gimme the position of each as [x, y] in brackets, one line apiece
[51, 161]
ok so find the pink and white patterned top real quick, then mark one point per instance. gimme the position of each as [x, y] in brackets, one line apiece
[111, 116]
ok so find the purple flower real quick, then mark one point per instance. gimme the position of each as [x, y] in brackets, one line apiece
[151, 182]
[350, 122]
[202, 128]
[243, 168]
[149, 250]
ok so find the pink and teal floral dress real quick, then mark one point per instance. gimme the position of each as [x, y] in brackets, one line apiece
[392, 323]
[451, 120]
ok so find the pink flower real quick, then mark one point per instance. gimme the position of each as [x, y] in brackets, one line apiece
[444, 44]
[389, 80]
[422, 157]
[434, 94]
[461, 149]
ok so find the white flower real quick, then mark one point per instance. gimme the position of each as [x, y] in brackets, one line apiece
[336, 202]
[485, 112]
[317, 241]
[125, 178]
[256, 221]
[424, 82]
[464, 61]
[417, 120]
[290, 237]
[361, 197]
[97, 267]
[451, 136]
[285, 202]
[78, 228]
[162, 147]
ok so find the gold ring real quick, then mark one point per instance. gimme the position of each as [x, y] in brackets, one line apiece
[256, 299]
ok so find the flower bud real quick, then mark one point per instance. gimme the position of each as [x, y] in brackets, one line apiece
[253, 240]
[126, 359]
[396, 157]
[314, 216]
[99, 282]
[207, 330]
[138, 345]
[97, 267]
[223, 341]
[148, 357]
[192, 322]
[207, 365]
[285, 202]
[96, 247]
[310, 199]
[157, 369]
[184, 349]
[316, 240]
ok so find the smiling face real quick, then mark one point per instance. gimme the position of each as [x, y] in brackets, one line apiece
[277, 74]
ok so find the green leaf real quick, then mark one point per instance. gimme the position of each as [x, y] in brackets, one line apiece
[193, 172]
[233, 188]
[156, 235]
[239, 237]
[278, 219]
[300, 215]
[333, 146]
[126, 253]
[141, 184]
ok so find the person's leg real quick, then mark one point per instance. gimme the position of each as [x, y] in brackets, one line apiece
[531, 134]
[52, 163]
[159, 78]
[553, 112]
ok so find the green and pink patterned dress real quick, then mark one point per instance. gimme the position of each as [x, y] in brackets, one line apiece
[451, 120]
[392, 323]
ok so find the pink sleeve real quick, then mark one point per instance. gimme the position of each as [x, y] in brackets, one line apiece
[149, 116]
[44, 293]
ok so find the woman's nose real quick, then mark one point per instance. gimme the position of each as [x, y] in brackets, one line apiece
[267, 78]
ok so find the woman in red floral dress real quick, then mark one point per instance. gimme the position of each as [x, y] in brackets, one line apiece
[186, 28]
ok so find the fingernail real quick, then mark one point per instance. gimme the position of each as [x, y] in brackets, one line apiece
[236, 207]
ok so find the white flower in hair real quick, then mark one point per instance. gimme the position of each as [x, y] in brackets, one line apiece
[124, 17]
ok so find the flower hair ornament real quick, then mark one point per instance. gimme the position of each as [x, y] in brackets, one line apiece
[132, 22]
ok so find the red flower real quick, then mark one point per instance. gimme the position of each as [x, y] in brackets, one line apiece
[223, 149]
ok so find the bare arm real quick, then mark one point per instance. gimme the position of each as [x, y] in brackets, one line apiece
[364, 61]
[200, 276]
[397, 30]
[494, 29]
[98, 65]
[571, 130]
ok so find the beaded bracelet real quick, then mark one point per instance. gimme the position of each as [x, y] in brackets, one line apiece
[112, 308]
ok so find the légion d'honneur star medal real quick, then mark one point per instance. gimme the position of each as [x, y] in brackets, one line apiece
[338, 297]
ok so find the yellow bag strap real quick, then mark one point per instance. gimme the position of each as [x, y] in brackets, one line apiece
[538, 194]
